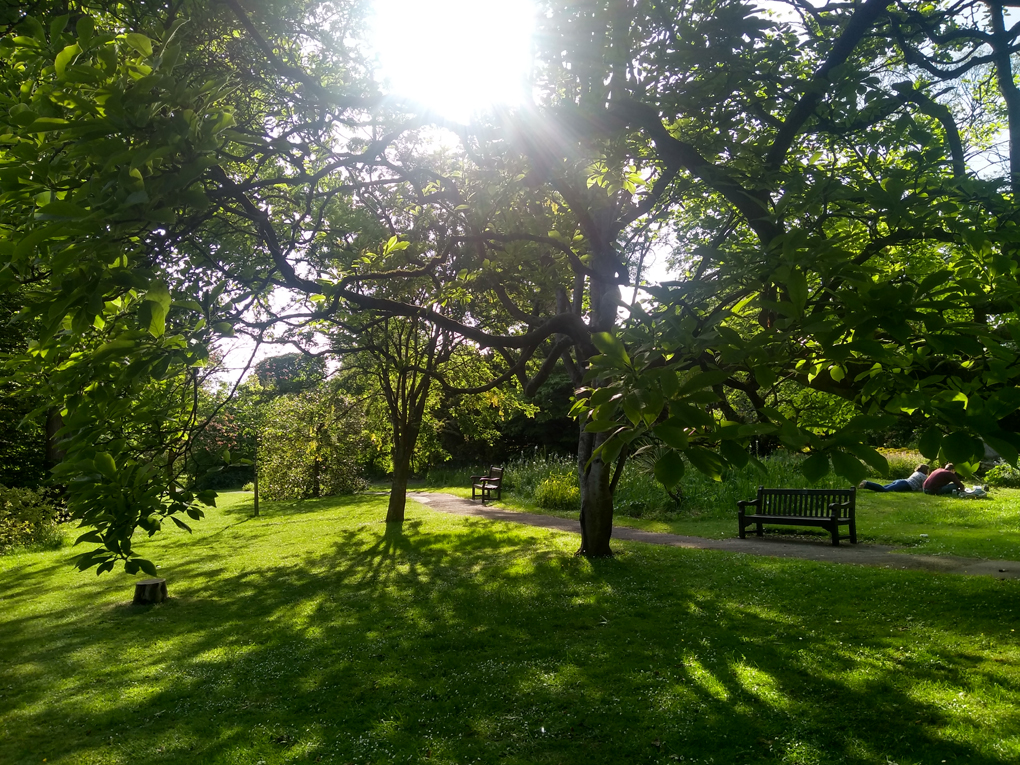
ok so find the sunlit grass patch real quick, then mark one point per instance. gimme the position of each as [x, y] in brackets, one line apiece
[315, 633]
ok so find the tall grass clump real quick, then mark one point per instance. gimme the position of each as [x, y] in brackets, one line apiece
[524, 475]
[902, 462]
[639, 495]
[705, 496]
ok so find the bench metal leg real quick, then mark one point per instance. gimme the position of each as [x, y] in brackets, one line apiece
[761, 530]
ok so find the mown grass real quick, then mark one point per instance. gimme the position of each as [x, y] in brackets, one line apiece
[984, 528]
[314, 634]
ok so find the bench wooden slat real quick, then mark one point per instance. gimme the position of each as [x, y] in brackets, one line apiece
[826, 508]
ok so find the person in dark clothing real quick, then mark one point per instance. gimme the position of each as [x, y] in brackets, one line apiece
[943, 481]
[913, 483]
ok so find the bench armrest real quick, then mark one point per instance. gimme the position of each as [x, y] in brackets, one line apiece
[742, 503]
[836, 506]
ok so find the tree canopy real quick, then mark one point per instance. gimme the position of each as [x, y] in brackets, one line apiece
[828, 177]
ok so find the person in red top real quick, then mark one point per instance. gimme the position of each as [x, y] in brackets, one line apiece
[943, 481]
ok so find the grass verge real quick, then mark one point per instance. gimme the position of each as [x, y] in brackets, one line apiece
[314, 634]
[984, 528]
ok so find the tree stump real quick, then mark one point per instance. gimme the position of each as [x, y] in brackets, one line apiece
[149, 591]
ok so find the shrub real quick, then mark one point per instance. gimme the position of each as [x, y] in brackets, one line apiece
[559, 492]
[902, 462]
[248, 487]
[26, 516]
[312, 446]
[1004, 475]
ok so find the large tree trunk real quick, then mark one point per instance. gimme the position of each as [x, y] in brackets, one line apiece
[594, 479]
[596, 499]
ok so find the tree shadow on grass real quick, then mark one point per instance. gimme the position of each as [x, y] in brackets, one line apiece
[496, 644]
[286, 508]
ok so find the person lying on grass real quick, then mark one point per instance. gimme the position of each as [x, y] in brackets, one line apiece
[943, 481]
[913, 482]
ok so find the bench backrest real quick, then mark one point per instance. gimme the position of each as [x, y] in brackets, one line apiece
[810, 503]
[495, 474]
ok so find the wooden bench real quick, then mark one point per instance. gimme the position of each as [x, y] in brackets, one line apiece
[487, 484]
[825, 508]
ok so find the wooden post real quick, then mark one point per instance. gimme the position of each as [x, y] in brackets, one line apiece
[255, 463]
[149, 591]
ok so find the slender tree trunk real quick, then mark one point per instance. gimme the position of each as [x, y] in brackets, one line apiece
[596, 498]
[595, 478]
[54, 422]
[402, 450]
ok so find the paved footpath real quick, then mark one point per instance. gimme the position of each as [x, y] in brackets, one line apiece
[860, 554]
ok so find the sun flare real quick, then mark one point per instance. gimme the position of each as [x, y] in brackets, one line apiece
[456, 57]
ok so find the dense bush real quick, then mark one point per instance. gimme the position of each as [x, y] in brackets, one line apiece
[313, 445]
[1003, 475]
[26, 516]
[638, 494]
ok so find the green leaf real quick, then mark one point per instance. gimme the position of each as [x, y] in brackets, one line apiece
[600, 426]
[815, 467]
[930, 443]
[849, 467]
[765, 376]
[114, 348]
[669, 469]
[960, 447]
[734, 453]
[611, 450]
[61, 210]
[85, 28]
[147, 566]
[46, 125]
[139, 42]
[669, 383]
[602, 396]
[708, 462]
[159, 294]
[870, 457]
[92, 536]
[65, 57]
[704, 380]
[671, 436]
[105, 465]
[797, 289]
[180, 524]
[611, 347]
[1006, 450]
[632, 408]
[207, 497]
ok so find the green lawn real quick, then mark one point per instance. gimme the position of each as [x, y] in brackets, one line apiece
[983, 528]
[312, 635]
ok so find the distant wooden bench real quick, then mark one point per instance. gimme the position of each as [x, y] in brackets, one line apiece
[825, 508]
[487, 484]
